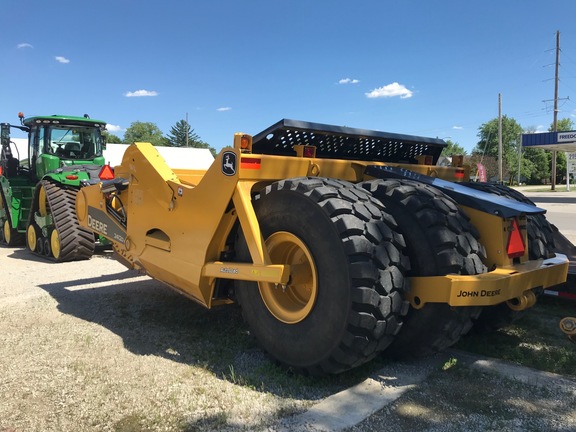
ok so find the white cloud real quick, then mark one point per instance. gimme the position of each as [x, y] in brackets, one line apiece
[61, 59]
[390, 90]
[457, 127]
[113, 128]
[24, 45]
[141, 93]
[224, 109]
[348, 81]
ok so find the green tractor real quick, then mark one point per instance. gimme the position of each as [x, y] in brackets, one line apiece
[37, 193]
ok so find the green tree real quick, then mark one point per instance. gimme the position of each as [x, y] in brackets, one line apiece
[488, 146]
[111, 138]
[143, 132]
[535, 165]
[178, 134]
[562, 125]
[453, 148]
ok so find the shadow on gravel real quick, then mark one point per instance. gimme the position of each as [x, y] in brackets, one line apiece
[24, 254]
[152, 319]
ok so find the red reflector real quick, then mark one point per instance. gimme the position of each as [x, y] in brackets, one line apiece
[72, 177]
[0, 170]
[459, 174]
[106, 173]
[309, 151]
[250, 163]
[516, 246]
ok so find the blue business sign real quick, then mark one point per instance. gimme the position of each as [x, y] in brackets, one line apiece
[552, 140]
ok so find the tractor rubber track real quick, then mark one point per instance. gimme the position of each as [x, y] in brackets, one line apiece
[76, 242]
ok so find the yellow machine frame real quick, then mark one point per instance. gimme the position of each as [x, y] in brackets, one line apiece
[179, 222]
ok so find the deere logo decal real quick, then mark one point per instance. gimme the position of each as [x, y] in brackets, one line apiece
[229, 163]
[101, 223]
[479, 293]
[97, 225]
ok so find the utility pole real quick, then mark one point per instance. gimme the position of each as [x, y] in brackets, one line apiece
[519, 156]
[555, 123]
[500, 138]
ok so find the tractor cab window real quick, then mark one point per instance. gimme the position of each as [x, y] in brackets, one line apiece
[74, 143]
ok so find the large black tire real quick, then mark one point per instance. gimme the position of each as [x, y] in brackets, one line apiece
[540, 246]
[540, 232]
[67, 240]
[440, 240]
[350, 294]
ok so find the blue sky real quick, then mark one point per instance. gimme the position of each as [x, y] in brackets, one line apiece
[422, 67]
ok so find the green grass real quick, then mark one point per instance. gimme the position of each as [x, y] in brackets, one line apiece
[535, 340]
[547, 188]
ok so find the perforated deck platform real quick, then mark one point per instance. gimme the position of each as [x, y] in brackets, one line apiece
[339, 142]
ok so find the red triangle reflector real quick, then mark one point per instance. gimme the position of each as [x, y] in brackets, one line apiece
[516, 247]
[106, 173]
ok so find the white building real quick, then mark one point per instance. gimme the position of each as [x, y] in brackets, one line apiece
[175, 157]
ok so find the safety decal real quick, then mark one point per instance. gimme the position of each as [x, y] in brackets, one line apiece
[250, 163]
[229, 163]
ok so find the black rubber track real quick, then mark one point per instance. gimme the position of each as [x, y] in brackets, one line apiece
[540, 246]
[360, 265]
[440, 240]
[76, 242]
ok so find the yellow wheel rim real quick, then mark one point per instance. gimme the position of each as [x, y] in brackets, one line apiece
[7, 232]
[42, 202]
[31, 237]
[294, 302]
[55, 244]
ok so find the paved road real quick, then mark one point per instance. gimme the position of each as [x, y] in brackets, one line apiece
[561, 209]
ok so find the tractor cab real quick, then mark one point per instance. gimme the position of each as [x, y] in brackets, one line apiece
[59, 141]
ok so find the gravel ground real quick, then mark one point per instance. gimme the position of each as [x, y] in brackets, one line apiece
[90, 346]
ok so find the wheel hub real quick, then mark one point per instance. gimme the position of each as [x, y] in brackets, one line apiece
[55, 244]
[7, 232]
[293, 302]
[32, 238]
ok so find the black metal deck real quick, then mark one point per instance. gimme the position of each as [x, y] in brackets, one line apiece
[339, 142]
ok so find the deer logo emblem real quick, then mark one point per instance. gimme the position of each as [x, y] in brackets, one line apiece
[229, 163]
